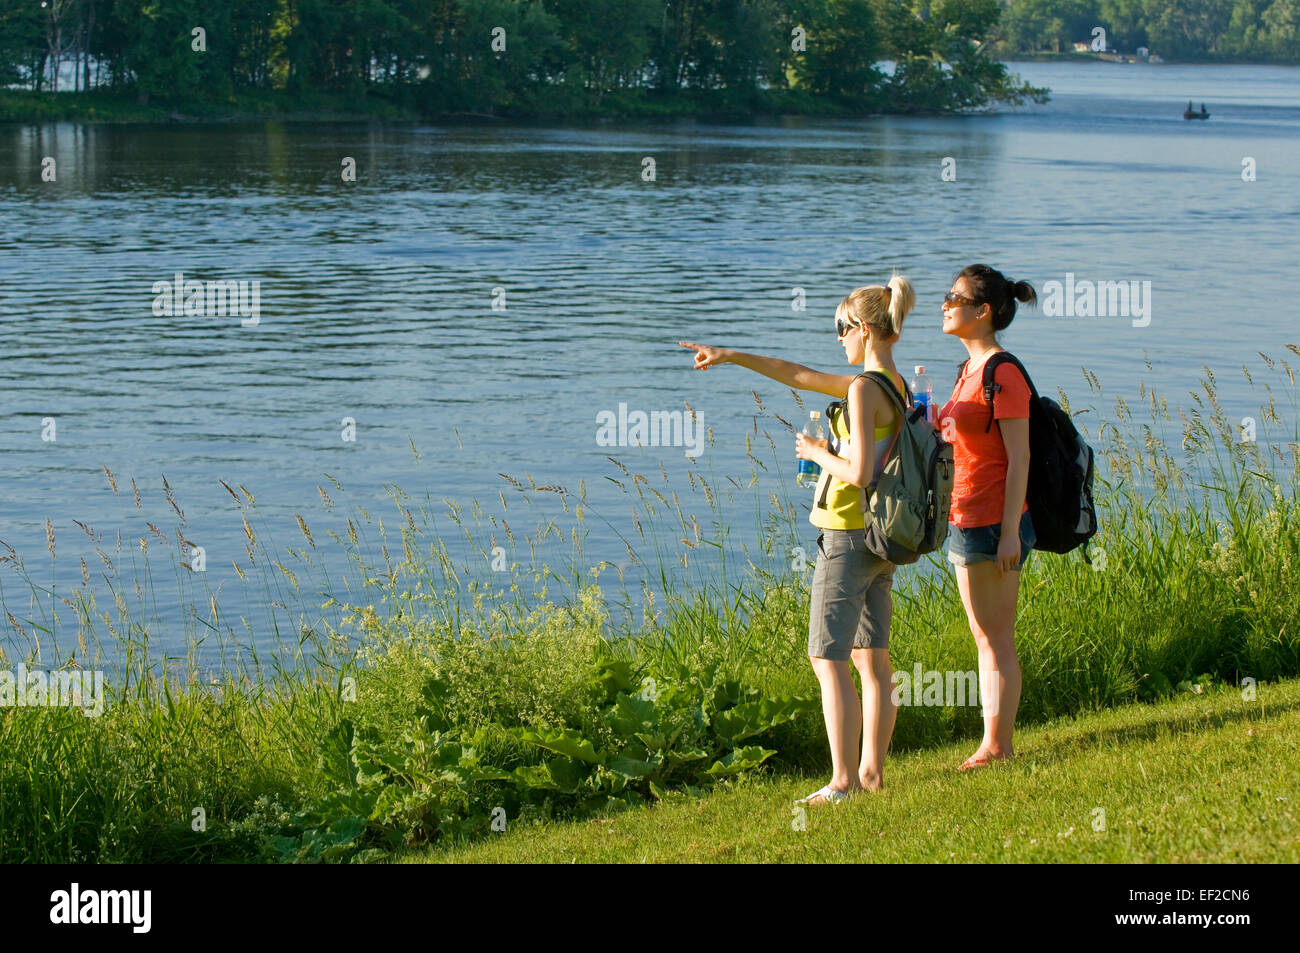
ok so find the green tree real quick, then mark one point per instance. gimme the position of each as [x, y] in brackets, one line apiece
[844, 44]
[491, 80]
[22, 42]
[1282, 24]
[1186, 29]
[1125, 23]
[942, 63]
[606, 43]
[750, 38]
[157, 48]
[1033, 26]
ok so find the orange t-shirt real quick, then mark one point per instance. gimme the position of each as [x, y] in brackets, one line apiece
[979, 458]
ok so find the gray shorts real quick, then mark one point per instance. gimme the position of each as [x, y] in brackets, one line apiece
[851, 599]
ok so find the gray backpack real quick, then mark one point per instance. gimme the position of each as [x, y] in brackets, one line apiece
[906, 506]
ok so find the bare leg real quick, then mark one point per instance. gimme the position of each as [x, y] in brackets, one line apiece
[990, 602]
[843, 720]
[878, 714]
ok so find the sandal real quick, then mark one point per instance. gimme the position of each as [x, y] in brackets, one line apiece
[828, 795]
[971, 763]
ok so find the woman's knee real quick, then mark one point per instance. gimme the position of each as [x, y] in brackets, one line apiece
[993, 627]
[872, 663]
[829, 668]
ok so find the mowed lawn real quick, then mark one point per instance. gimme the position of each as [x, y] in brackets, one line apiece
[1200, 778]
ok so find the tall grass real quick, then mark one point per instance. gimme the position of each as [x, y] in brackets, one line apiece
[1192, 579]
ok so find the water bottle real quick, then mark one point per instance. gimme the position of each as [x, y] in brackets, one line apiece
[922, 392]
[808, 471]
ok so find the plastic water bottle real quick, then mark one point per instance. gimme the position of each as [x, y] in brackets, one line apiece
[922, 392]
[808, 471]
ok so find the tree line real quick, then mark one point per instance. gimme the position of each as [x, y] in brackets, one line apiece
[518, 56]
[1208, 30]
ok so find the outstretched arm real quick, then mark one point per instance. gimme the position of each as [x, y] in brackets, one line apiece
[791, 375]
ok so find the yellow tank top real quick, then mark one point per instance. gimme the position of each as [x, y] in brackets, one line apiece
[836, 504]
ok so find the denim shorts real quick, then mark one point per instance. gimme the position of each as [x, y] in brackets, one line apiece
[976, 544]
[852, 599]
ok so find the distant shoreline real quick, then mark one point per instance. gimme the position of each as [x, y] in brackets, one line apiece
[1130, 59]
[124, 108]
[103, 107]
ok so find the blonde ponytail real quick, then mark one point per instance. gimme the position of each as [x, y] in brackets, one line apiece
[901, 300]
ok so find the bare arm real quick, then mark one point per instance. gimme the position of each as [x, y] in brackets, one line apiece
[865, 403]
[791, 375]
[1015, 437]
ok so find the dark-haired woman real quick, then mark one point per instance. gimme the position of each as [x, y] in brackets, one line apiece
[991, 534]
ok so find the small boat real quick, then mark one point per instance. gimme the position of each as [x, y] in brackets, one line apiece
[1188, 113]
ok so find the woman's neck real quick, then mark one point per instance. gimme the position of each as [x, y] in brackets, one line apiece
[977, 349]
[879, 360]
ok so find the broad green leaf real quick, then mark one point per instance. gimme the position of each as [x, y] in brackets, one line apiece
[536, 776]
[739, 761]
[567, 774]
[681, 757]
[726, 694]
[752, 718]
[652, 742]
[464, 774]
[615, 674]
[631, 714]
[347, 828]
[630, 767]
[567, 742]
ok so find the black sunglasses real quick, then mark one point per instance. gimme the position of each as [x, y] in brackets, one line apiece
[956, 299]
[841, 326]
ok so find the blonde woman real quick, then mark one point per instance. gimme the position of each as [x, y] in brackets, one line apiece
[852, 603]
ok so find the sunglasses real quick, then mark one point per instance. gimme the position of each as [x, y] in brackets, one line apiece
[956, 300]
[842, 327]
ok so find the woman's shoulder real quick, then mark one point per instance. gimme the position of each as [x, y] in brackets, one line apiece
[1010, 372]
[875, 377]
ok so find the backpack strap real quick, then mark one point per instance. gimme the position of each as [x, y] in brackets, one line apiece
[887, 385]
[844, 405]
[900, 404]
[840, 407]
[833, 408]
[992, 387]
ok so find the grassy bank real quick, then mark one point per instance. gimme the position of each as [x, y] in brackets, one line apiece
[432, 701]
[1205, 778]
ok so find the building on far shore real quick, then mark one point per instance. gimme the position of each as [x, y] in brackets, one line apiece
[1141, 55]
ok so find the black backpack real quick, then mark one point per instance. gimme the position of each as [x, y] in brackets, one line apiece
[1060, 467]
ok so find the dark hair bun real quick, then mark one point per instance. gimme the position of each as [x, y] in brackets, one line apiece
[1023, 291]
